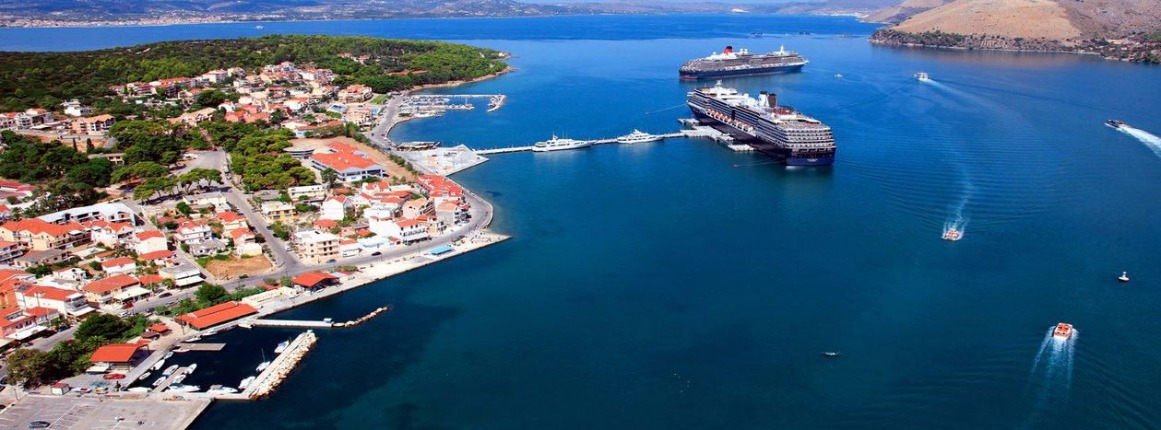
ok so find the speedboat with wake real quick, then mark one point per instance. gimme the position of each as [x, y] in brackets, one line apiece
[1116, 124]
[1063, 331]
[952, 234]
[922, 76]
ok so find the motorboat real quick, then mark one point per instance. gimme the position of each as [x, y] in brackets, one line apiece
[1124, 277]
[951, 234]
[263, 366]
[246, 382]
[838, 75]
[160, 363]
[922, 76]
[1063, 331]
[167, 355]
[220, 389]
[138, 390]
[191, 368]
[182, 388]
[282, 347]
[145, 375]
[169, 370]
[830, 354]
[1115, 124]
[638, 136]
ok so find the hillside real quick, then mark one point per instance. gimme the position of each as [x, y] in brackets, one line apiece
[1121, 29]
[897, 13]
[33, 79]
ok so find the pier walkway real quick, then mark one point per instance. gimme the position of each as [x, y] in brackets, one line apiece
[699, 131]
[291, 323]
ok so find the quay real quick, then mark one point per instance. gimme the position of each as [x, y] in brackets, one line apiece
[122, 410]
[187, 347]
[319, 324]
[278, 371]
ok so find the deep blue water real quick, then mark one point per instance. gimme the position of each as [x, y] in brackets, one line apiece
[679, 285]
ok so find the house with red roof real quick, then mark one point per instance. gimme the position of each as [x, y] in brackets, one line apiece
[150, 241]
[439, 186]
[64, 302]
[109, 234]
[40, 235]
[9, 251]
[162, 258]
[117, 288]
[350, 163]
[117, 357]
[118, 266]
[407, 231]
[232, 220]
[215, 315]
[334, 208]
[313, 281]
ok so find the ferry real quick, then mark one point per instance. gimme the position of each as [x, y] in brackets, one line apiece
[559, 144]
[1063, 331]
[922, 76]
[638, 136]
[952, 234]
[1115, 124]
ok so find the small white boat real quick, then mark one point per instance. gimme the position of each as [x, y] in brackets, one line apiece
[560, 144]
[139, 390]
[145, 375]
[638, 136]
[281, 347]
[181, 388]
[1115, 124]
[1063, 331]
[246, 382]
[159, 381]
[952, 235]
[177, 379]
[160, 363]
[209, 332]
[194, 339]
[167, 355]
[922, 76]
[246, 325]
[169, 370]
[838, 75]
[263, 366]
[258, 27]
[219, 389]
[1124, 277]
[191, 368]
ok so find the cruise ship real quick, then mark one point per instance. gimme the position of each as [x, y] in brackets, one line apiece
[560, 144]
[741, 63]
[797, 139]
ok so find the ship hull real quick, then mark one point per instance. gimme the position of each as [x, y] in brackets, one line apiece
[719, 74]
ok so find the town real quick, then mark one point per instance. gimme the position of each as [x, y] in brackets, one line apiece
[185, 206]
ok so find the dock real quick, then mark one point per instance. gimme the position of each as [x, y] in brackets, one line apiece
[279, 369]
[200, 346]
[696, 131]
[319, 324]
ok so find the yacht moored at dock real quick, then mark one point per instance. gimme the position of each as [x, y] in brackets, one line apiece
[638, 136]
[560, 144]
[741, 63]
[793, 137]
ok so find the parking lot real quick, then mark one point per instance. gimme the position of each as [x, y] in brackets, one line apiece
[71, 412]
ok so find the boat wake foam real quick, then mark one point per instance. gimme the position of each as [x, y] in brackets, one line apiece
[1149, 139]
[1050, 381]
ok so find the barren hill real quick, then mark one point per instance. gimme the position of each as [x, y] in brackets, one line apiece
[1028, 19]
[897, 13]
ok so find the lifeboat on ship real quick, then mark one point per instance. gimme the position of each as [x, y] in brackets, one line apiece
[1063, 331]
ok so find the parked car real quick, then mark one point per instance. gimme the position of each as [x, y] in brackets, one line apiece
[376, 254]
[164, 294]
[38, 425]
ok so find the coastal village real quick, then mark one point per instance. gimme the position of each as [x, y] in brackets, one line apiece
[203, 242]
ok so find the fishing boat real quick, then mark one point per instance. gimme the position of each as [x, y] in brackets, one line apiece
[1063, 331]
[282, 347]
[951, 234]
[638, 136]
[169, 370]
[1124, 277]
[246, 382]
[263, 366]
[160, 363]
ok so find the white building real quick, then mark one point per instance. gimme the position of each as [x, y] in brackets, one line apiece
[407, 231]
[334, 208]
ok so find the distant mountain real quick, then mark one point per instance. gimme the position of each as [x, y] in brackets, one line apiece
[66, 12]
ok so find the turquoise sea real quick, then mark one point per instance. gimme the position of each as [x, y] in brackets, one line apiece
[677, 285]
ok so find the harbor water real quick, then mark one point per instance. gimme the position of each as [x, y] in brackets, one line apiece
[682, 285]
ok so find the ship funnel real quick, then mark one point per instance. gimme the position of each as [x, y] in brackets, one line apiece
[729, 50]
[772, 100]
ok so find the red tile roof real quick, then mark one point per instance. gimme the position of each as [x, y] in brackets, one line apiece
[311, 279]
[229, 217]
[117, 262]
[159, 328]
[344, 158]
[215, 315]
[38, 226]
[150, 234]
[49, 293]
[155, 255]
[111, 283]
[115, 353]
[152, 280]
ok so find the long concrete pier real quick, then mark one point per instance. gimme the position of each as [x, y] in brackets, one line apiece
[320, 324]
[279, 369]
[700, 131]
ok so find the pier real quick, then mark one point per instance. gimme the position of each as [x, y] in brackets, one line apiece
[320, 324]
[278, 371]
[697, 131]
[187, 347]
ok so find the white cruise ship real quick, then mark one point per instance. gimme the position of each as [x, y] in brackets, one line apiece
[638, 136]
[559, 144]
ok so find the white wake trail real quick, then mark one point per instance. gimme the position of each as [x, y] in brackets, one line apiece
[1149, 139]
